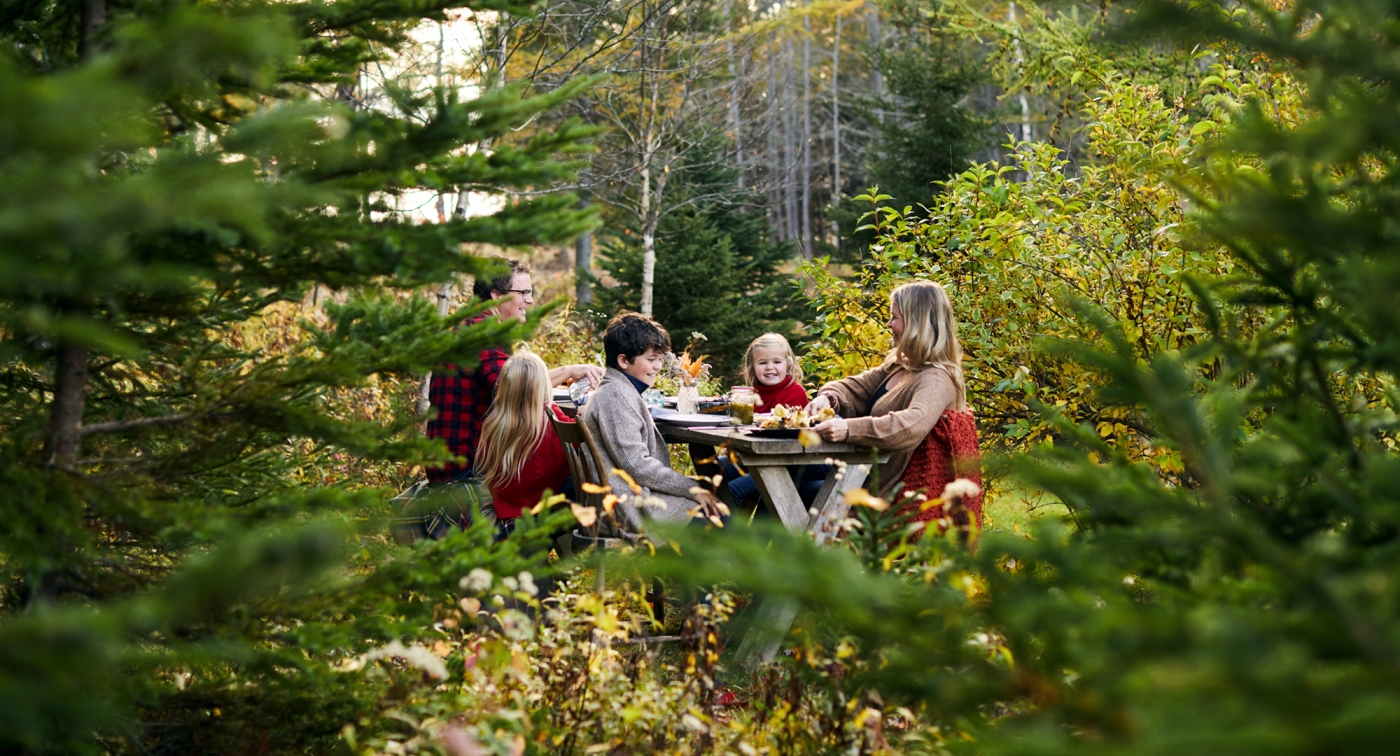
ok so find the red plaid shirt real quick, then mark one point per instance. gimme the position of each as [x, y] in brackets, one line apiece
[462, 398]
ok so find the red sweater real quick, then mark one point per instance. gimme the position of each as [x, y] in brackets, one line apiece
[545, 469]
[788, 392]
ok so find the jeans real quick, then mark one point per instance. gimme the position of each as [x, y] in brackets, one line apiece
[809, 479]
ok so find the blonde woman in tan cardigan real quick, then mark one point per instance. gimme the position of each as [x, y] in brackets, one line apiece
[913, 405]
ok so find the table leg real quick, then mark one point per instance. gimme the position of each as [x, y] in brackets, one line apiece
[780, 494]
[773, 617]
[831, 503]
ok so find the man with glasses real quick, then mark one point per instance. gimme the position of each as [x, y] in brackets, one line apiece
[462, 397]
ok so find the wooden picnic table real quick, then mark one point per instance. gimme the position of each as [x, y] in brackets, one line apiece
[767, 460]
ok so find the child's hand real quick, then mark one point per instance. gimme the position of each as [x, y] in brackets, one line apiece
[710, 505]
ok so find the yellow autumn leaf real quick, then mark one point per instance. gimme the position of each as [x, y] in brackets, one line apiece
[808, 438]
[594, 488]
[862, 498]
[632, 484]
[586, 515]
[609, 502]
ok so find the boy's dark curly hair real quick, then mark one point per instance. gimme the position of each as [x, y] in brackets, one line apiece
[630, 335]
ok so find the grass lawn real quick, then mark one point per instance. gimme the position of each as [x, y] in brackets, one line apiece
[1011, 509]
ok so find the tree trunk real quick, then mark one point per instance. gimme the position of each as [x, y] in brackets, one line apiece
[806, 137]
[790, 138]
[71, 361]
[877, 80]
[583, 262]
[94, 16]
[1026, 133]
[775, 206]
[648, 268]
[648, 238]
[444, 304]
[734, 124]
[69, 399]
[836, 128]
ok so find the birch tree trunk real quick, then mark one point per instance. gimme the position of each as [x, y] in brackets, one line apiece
[1026, 133]
[648, 238]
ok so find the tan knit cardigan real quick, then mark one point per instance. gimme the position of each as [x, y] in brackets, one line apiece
[900, 420]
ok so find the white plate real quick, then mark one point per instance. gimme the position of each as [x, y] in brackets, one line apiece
[695, 419]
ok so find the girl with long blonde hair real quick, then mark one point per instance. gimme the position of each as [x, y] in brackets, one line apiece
[520, 456]
[914, 405]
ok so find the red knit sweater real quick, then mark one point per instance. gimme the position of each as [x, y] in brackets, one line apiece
[789, 392]
[545, 469]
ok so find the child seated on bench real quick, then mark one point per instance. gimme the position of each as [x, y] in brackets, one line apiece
[615, 414]
[520, 456]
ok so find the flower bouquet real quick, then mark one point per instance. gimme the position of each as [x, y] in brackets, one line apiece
[688, 372]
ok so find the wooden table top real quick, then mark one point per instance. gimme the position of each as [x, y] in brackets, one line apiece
[746, 444]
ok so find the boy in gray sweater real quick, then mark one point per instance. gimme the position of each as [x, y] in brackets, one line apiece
[634, 347]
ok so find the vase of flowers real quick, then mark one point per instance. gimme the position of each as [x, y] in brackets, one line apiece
[688, 400]
[688, 372]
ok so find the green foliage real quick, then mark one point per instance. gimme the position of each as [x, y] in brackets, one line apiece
[1016, 243]
[183, 558]
[1246, 604]
[923, 130]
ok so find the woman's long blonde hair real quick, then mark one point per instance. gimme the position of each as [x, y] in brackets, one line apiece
[771, 341]
[514, 427]
[930, 333]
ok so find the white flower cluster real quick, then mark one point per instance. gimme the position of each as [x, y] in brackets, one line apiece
[523, 582]
[961, 488]
[515, 625]
[417, 656]
[477, 581]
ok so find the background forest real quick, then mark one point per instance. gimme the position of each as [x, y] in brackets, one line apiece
[235, 236]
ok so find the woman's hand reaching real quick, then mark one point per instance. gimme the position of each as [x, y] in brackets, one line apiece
[565, 374]
[820, 402]
[834, 429]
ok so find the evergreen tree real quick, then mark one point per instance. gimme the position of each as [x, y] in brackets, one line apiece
[923, 130]
[1246, 603]
[717, 267]
[170, 171]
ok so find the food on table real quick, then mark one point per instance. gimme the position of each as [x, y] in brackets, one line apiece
[795, 418]
[741, 403]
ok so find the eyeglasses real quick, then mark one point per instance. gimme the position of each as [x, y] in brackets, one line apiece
[524, 293]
